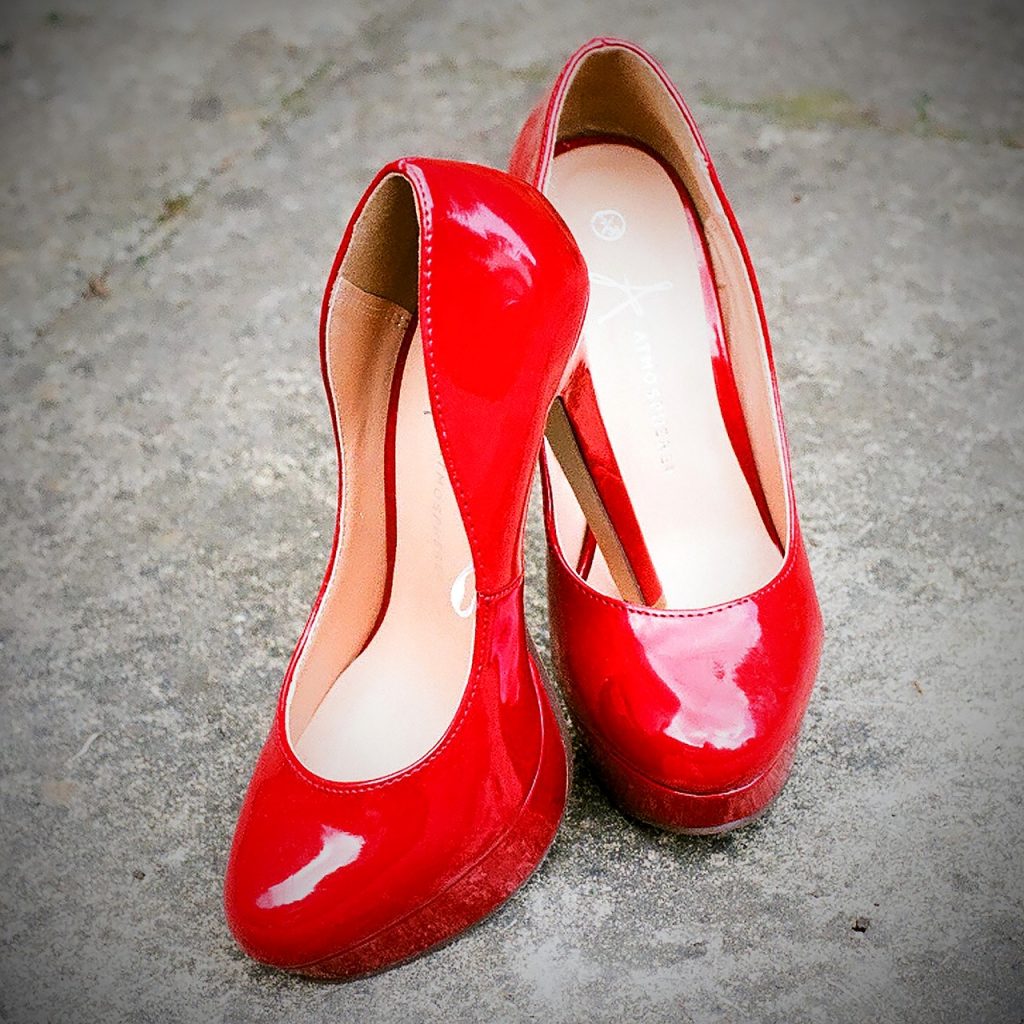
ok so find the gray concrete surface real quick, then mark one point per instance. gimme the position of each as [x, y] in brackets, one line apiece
[167, 488]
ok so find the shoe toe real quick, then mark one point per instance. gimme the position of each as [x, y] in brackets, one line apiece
[300, 880]
[701, 702]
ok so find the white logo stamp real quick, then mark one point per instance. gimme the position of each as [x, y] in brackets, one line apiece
[463, 594]
[631, 294]
[608, 225]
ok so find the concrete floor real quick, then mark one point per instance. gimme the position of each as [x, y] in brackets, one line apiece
[168, 485]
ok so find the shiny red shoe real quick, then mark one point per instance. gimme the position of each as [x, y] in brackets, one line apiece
[685, 628]
[415, 773]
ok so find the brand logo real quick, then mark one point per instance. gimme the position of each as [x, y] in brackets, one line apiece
[464, 593]
[608, 225]
[631, 294]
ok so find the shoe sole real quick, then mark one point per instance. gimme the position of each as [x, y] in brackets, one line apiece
[687, 813]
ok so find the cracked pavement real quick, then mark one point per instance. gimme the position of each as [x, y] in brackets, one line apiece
[175, 177]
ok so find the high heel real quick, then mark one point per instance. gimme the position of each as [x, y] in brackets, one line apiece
[415, 773]
[685, 628]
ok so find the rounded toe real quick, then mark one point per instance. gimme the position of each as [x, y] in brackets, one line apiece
[297, 870]
[692, 717]
[338, 880]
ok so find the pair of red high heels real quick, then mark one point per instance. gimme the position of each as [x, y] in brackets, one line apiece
[416, 771]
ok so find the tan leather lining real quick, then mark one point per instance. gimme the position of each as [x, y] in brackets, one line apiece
[615, 92]
[387, 658]
[383, 254]
[393, 702]
[364, 334]
[648, 341]
[371, 308]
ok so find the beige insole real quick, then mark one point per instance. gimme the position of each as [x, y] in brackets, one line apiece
[393, 703]
[648, 344]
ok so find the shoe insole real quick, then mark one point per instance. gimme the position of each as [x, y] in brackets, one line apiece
[648, 343]
[393, 703]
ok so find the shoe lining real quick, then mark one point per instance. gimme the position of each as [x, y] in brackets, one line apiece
[388, 656]
[648, 346]
[615, 92]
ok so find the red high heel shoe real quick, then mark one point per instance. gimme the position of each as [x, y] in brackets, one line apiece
[685, 628]
[415, 773]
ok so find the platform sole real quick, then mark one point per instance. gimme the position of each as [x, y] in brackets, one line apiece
[695, 814]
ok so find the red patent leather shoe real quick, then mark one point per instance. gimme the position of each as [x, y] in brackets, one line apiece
[685, 627]
[415, 773]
